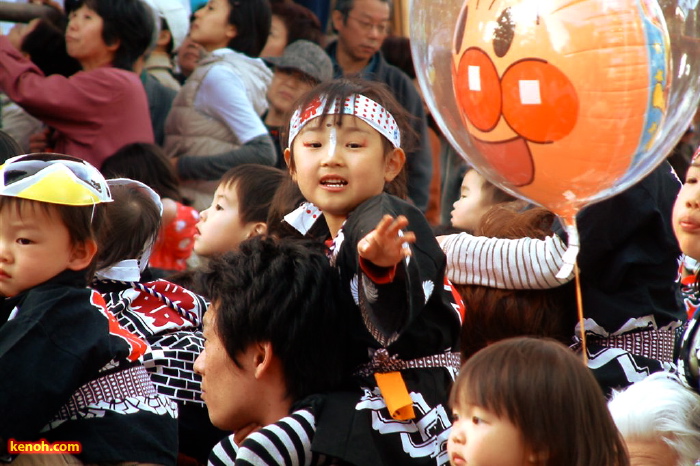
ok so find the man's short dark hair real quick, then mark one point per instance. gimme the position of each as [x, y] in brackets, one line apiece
[128, 21]
[345, 6]
[281, 291]
[252, 19]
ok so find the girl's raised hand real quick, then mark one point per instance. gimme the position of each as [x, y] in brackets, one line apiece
[384, 246]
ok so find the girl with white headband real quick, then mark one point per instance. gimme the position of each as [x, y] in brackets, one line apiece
[345, 152]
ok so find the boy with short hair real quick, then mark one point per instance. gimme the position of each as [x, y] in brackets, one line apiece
[68, 371]
[273, 340]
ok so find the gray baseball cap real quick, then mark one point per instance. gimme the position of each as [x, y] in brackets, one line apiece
[307, 57]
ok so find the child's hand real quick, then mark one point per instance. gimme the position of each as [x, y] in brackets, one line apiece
[39, 142]
[383, 246]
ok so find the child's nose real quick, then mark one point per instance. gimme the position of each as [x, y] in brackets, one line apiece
[333, 156]
[4, 252]
[457, 434]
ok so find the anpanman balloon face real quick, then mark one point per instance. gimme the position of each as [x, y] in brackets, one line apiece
[559, 97]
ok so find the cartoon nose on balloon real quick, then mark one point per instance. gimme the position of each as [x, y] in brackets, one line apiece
[536, 100]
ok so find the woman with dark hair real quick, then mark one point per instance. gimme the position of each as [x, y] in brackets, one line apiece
[43, 41]
[214, 123]
[291, 22]
[99, 109]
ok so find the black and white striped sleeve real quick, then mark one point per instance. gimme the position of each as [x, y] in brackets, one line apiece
[286, 442]
[516, 264]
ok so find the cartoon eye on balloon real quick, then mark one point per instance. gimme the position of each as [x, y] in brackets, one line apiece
[560, 103]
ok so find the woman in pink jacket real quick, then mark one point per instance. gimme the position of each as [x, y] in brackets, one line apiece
[101, 108]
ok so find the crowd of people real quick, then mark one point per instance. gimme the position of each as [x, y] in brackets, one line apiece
[232, 235]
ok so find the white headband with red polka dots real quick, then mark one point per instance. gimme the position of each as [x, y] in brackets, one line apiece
[357, 105]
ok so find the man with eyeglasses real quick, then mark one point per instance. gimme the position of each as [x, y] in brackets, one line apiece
[362, 26]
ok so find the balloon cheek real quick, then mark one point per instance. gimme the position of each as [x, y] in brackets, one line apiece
[539, 102]
[479, 89]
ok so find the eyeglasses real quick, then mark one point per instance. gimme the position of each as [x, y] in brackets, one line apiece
[367, 26]
[53, 178]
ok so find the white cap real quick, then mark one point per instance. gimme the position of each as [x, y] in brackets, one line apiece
[175, 15]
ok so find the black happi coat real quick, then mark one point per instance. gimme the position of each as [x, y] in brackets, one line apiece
[59, 338]
[415, 315]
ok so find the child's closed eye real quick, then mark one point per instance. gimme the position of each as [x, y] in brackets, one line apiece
[691, 180]
[24, 241]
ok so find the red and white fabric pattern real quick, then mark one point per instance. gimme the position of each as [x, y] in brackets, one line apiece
[357, 105]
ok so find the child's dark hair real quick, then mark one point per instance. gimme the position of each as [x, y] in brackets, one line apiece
[287, 198]
[131, 211]
[252, 19]
[82, 222]
[548, 393]
[493, 193]
[127, 22]
[9, 147]
[339, 90]
[46, 47]
[147, 163]
[280, 291]
[495, 314]
[255, 186]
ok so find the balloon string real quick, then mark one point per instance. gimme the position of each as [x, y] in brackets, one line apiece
[581, 321]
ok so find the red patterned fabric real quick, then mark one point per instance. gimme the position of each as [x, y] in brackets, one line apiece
[175, 244]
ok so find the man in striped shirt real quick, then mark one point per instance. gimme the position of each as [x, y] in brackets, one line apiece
[273, 337]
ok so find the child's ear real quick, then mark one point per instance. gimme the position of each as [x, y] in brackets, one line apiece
[82, 254]
[259, 228]
[394, 164]
[287, 159]
[263, 358]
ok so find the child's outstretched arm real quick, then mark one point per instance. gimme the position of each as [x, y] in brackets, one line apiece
[387, 244]
[516, 264]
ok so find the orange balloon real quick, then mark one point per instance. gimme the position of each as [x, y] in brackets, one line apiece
[559, 97]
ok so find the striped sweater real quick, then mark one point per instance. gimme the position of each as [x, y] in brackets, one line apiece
[286, 442]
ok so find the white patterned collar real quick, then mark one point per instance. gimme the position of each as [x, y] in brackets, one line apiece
[303, 217]
[123, 271]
